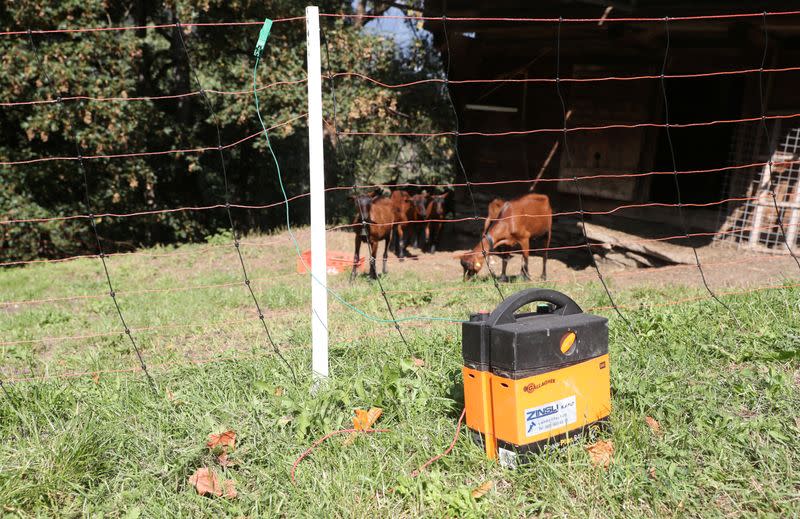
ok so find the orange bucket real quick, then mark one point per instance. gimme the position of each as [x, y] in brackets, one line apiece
[337, 262]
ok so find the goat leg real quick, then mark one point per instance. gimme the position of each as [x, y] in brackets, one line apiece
[426, 244]
[433, 239]
[504, 258]
[356, 256]
[401, 244]
[373, 254]
[386, 252]
[525, 246]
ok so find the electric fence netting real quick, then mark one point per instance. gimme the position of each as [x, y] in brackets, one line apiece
[152, 305]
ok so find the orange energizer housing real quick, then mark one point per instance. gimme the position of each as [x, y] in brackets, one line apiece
[534, 380]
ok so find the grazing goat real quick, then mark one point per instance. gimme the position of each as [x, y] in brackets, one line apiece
[492, 212]
[433, 230]
[495, 206]
[376, 216]
[404, 217]
[518, 221]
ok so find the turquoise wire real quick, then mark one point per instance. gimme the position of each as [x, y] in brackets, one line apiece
[335, 295]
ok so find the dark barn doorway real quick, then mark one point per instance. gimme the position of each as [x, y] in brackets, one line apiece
[704, 147]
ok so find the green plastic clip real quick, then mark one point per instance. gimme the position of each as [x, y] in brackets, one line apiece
[262, 37]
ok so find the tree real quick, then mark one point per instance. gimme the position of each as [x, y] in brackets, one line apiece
[153, 62]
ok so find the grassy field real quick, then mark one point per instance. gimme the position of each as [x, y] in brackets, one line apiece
[83, 434]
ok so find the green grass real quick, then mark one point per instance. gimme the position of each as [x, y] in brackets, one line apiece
[726, 398]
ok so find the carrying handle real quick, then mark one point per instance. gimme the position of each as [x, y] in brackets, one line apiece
[504, 313]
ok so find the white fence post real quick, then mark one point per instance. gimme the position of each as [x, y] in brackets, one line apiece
[319, 271]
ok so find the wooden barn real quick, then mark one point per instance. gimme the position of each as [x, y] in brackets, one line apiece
[712, 68]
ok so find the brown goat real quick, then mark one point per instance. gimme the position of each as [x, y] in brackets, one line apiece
[495, 206]
[518, 221]
[492, 212]
[405, 214]
[433, 230]
[376, 216]
[418, 235]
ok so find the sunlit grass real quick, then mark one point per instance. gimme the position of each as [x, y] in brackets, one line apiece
[726, 397]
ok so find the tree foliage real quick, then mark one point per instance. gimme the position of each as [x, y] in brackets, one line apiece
[153, 62]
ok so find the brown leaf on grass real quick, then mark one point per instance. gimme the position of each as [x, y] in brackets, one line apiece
[279, 391]
[207, 483]
[653, 424]
[418, 362]
[96, 378]
[224, 440]
[480, 491]
[601, 452]
[651, 473]
[364, 419]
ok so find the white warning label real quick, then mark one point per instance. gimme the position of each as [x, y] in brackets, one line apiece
[550, 416]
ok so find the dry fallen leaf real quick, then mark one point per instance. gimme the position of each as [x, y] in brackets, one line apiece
[279, 391]
[224, 440]
[417, 362]
[601, 452]
[206, 482]
[480, 491]
[363, 420]
[653, 424]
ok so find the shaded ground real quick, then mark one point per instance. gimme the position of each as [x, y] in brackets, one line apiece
[724, 266]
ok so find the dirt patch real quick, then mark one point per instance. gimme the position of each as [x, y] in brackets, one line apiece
[724, 267]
